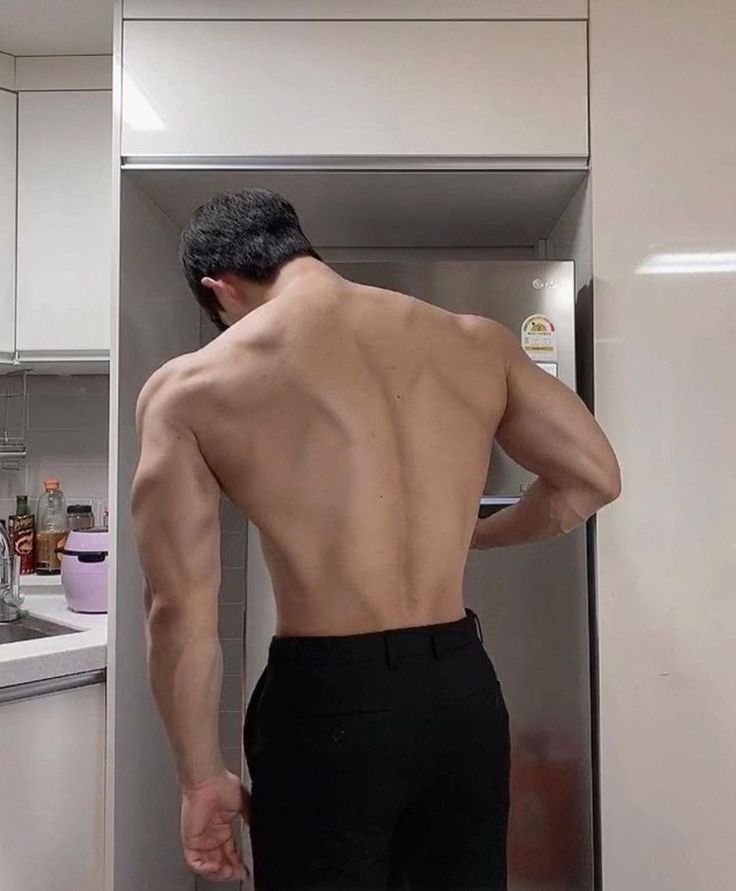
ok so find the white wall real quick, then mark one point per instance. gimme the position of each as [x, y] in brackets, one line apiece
[663, 131]
[7, 71]
[63, 73]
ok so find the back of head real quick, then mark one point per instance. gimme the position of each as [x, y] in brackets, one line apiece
[249, 232]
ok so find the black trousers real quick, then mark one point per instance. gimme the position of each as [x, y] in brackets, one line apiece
[379, 761]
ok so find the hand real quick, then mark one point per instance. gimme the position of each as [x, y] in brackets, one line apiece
[208, 810]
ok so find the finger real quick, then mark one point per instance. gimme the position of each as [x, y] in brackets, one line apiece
[231, 854]
[223, 873]
[233, 858]
[200, 861]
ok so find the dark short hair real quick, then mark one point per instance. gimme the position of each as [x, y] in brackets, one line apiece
[250, 232]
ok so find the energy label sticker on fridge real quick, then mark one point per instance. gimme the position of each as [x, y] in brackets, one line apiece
[539, 338]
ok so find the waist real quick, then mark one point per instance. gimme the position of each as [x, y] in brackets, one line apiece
[391, 643]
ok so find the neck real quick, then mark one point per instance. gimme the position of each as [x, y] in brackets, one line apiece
[296, 275]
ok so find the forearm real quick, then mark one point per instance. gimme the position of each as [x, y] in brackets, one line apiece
[543, 512]
[185, 671]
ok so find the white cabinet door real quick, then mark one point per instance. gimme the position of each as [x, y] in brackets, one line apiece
[7, 224]
[64, 224]
[52, 801]
[504, 89]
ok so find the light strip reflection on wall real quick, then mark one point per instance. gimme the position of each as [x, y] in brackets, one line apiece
[688, 263]
[138, 113]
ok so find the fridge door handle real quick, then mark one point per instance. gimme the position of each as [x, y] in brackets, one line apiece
[492, 504]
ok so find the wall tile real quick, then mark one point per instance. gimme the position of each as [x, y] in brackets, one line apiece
[232, 759]
[233, 545]
[231, 520]
[230, 621]
[232, 693]
[231, 729]
[66, 437]
[232, 657]
[66, 413]
[77, 481]
[7, 507]
[232, 589]
[67, 446]
[12, 483]
[93, 388]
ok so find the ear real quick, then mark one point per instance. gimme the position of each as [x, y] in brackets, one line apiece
[223, 290]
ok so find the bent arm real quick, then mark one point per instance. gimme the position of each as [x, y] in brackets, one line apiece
[548, 430]
[175, 502]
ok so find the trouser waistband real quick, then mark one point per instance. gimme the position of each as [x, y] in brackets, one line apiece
[391, 644]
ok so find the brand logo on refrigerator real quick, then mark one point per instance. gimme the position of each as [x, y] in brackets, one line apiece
[539, 283]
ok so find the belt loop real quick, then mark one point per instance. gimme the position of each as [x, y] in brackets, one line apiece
[390, 655]
[477, 623]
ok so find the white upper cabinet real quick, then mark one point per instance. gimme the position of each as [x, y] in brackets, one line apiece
[355, 9]
[64, 224]
[512, 91]
[7, 224]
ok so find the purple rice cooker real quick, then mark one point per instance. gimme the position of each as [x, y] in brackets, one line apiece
[84, 560]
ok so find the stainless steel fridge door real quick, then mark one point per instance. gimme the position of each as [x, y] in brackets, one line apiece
[532, 600]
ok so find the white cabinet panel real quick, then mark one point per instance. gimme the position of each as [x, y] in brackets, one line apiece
[52, 802]
[7, 224]
[64, 224]
[355, 9]
[7, 72]
[663, 143]
[373, 88]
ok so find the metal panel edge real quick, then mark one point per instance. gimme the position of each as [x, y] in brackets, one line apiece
[356, 10]
[352, 162]
[51, 685]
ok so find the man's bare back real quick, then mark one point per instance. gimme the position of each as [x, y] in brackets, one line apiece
[353, 427]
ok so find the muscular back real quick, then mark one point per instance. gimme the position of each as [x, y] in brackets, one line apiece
[353, 426]
[354, 429]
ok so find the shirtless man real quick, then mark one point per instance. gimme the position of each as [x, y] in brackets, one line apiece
[353, 426]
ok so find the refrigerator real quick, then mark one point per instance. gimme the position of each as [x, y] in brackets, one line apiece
[533, 601]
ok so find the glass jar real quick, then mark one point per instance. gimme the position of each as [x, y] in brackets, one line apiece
[79, 516]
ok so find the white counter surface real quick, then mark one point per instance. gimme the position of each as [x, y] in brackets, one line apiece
[62, 654]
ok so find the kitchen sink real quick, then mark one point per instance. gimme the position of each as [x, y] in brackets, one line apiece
[31, 627]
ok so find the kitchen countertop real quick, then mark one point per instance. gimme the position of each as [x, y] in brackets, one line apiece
[64, 654]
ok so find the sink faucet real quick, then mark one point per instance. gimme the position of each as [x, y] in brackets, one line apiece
[10, 597]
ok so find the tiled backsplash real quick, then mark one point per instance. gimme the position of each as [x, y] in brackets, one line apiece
[66, 432]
